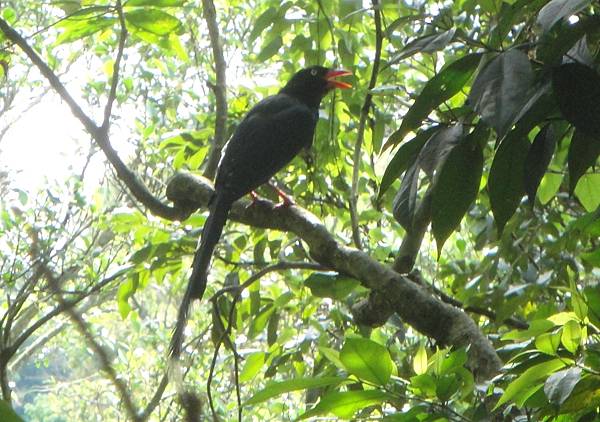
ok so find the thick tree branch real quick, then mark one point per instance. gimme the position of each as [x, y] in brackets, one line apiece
[427, 314]
[364, 114]
[220, 89]
[98, 133]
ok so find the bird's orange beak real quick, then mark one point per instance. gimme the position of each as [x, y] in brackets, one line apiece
[332, 74]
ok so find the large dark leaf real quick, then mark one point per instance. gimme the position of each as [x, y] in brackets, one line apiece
[435, 151]
[557, 10]
[505, 183]
[583, 153]
[537, 161]
[556, 43]
[405, 155]
[438, 89]
[501, 90]
[577, 92]
[405, 201]
[426, 44]
[456, 187]
[559, 386]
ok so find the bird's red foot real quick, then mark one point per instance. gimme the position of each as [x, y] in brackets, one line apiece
[255, 199]
[286, 201]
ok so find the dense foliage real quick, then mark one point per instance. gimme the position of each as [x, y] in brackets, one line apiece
[464, 158]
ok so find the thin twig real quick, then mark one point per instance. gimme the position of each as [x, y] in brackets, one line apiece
[364, 114]
[220, 88]
[237, 290]
[116, 68]
[100, 134]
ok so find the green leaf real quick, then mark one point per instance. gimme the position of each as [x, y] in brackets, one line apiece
[548, 343]
[559, 386]
[278, 388]
[156, 3]
[455, 188]
[502, 89]
[332, 355]
[367, 360]
[262, 22]
[528, 379]
[588, 191]
[571, 336]
[404, 205]
[7, 414]
[78, 28]
[446, 386]
[426, 44]
[270, 49]
[420, 360]
[577, 93]
[536, 327]
[252, 365]
[556, 10]
[549, 187]
[537, 160]
[438, 89]
[345, 404]
[505, 182]
[331, 285]
[583, 153]
[154, 21]
[406, 154]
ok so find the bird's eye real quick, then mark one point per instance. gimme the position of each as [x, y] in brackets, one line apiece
[313, 72]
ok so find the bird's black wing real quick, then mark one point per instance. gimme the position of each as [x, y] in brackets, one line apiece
[270, 136]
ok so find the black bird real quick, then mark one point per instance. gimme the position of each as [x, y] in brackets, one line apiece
[268, 138]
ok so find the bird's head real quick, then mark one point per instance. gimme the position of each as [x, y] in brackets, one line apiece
[312, 83]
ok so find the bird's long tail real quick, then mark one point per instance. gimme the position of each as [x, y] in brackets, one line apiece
[213, 227]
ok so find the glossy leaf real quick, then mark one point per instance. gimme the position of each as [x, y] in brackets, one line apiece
[406, 154]
[420, 360]
[501, 90]
[528, 378]
[345, 404]
[76, 29]
[443, 86]
[556, 10]
[505, 182]
[438, 146]
[537, 160]
[577, 92]
[367, 360]
[571, 336]
[425, 44]
[588, 191]
[405, 201]
[559, 386]
[278, 388]
[252, 366]
[583, 153]
[455, 188]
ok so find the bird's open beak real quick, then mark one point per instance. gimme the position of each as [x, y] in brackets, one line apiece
[332, 83]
